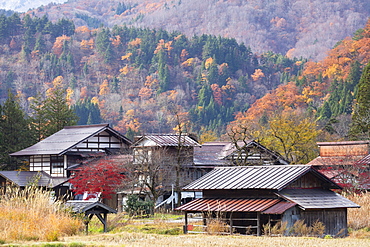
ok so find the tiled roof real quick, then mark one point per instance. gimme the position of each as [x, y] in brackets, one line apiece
[254, 177]
[78, 206]
[316, 198]
[168, 140]
[67, 138]
[228, 205]
[23, 178]
[209, 154]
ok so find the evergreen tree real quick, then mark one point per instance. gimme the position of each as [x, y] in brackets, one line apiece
[57, 112]
[15, 133]
[361, 118]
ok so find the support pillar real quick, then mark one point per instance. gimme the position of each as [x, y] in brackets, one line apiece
[186, 223]
[258, 224]
[231, 223]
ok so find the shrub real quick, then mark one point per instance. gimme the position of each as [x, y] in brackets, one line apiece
[217, 226]
[300, 229]
[136, 207]
[278, 229]
[30, 214]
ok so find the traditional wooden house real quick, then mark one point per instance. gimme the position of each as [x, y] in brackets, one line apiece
[346, 163]
[72, 145]
[170, 150]
[214, 154]
[248, 197]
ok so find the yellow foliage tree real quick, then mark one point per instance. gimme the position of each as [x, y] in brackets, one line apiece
[104, 88]
[293, 135]
[258, 74]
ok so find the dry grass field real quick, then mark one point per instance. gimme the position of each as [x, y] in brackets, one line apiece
[43, 226]
[142, 239]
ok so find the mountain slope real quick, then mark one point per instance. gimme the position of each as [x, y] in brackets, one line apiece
[24, 5]
[298, 28]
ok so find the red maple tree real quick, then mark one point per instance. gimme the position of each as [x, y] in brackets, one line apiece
[103, 177]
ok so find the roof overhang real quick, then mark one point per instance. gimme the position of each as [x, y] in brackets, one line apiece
[316, 199]
[228, 205]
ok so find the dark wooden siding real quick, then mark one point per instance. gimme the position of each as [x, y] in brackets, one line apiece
[307, 181]
[335, 220]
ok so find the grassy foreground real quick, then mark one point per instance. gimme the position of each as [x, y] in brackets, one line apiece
[142, 239]
[29, 218]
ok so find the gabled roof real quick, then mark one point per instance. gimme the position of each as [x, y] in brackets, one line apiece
[23, 178]
[209, 154]
[254, 177]
[231, 148]
[65, 139]
[78, 206]
[219, 154]
[316, 198]
[165, 140]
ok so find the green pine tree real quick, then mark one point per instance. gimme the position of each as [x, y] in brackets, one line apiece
[360, 128]
[15, 133]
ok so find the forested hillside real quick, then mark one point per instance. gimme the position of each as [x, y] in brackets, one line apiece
[140, 79]
[295, 27]
[145, 80]
[328, 101]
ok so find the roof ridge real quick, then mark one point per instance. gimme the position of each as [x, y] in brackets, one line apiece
[86, 126]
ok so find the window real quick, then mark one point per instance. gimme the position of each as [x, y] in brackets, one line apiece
[57, 164]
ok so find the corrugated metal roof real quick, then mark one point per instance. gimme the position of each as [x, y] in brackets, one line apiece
[23, 178]
[279, 208]
[317, 198]
[169, 140]
[363, 161]
[250, 177]
[65, 139]
[228, 205]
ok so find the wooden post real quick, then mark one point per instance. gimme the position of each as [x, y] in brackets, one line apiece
[231, 223]
[119, 203]
[258, 224]
[105, 222]
[87, 221]
[186, 223]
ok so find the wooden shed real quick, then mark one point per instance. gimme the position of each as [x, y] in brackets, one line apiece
[249, 197]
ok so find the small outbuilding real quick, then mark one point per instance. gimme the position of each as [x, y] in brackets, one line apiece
[246, 198]
[91, 208]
